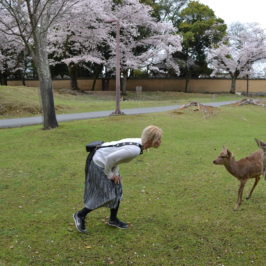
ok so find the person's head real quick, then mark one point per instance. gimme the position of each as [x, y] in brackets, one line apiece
[151, 137]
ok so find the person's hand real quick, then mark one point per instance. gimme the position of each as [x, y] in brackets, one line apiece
[116, 179]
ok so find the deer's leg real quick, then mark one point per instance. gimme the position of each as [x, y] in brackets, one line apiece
[240, 193]
[257, 179]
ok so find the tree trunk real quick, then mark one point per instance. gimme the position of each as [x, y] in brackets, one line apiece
[117, 71]
[46, 86]
[93, 83]
[22, 74]
[124, 84]
[4, 74]
[247, 85]
[3, 79]
[105, 84]
[187, 80]
[98, 70]
[23, 81]
[233, 85]
[72, 69]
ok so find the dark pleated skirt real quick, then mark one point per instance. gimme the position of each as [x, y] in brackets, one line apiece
[99, 190]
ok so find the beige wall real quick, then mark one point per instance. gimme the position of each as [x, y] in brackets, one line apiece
[195, 85]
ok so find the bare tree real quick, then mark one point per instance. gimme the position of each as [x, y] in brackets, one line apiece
[30, 20]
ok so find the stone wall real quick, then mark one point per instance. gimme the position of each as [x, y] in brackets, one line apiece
[195, 85]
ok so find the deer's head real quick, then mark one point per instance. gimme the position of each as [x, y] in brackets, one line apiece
[223, 157]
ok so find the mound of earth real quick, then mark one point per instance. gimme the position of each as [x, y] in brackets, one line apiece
[196, 107]
[249, 101]
[69, 91]
[16, 109]
[8, 108]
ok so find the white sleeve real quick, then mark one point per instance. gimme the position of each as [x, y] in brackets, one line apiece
[119, 156]
[116, 170]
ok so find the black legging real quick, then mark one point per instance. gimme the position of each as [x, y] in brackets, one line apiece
[113, 212]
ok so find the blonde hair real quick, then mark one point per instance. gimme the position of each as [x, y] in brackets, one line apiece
[151, 133]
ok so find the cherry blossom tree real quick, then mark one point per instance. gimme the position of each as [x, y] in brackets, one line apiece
[126, 27]
[144, 42]
[244, 45]
[30, 20]
[11, 57]
[75, 39]
[259, 69]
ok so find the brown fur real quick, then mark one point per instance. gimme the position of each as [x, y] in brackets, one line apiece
[248, 167]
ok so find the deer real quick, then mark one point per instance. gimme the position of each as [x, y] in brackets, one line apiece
[262, 145]
[244, 169]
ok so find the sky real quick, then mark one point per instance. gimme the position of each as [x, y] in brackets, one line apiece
[239, 10]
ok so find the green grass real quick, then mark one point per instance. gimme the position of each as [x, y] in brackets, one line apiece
[179, 205]
[24, 101]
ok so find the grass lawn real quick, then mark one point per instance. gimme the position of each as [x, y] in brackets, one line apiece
[24, 101]
[178, 203]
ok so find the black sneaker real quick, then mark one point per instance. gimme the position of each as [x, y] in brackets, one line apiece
[118, 223]
[79, 223]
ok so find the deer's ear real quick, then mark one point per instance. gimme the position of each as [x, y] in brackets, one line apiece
[258, 142]
[229, 154]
